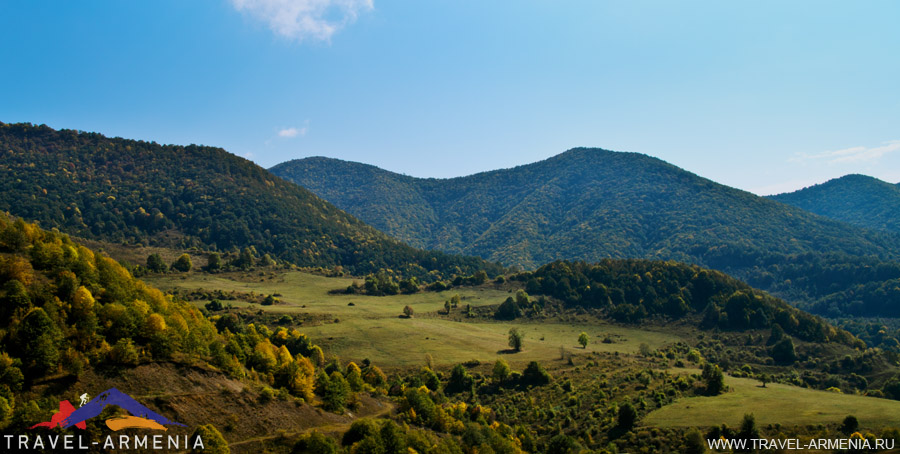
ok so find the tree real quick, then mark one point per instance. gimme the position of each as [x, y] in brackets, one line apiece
[213, 441]
[534, 374]
[583, 339]
[849, 425]
[508, 310]
[156, 264]
[354, 377]
[776, 335]
[515, 339]
[522, 298]
[37, 342]
[15, 296]
[315, 443]
[561, 444]
[213, 262]
[124, 353]
[459, 381]
[748, 429]
[408, 311]
[501, 371]
[694, 443]
[714, 379]
[783, 352]
[183, 263]
[335, 392]
[627, 417]
[764, 378]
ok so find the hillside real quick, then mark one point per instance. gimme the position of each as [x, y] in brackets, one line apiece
[138, 192]
[76, 321]
[590, 204]
[856, 199]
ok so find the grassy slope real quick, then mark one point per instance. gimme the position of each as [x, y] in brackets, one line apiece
[373, 329]
[774, 404]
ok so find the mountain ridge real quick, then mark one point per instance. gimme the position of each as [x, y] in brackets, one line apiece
[591, 204]
[857, 199]
[128, 191]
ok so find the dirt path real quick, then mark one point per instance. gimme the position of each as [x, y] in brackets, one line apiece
[326, 429]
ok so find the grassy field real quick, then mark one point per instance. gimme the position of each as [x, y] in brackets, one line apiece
[371, 328]
[774, 404]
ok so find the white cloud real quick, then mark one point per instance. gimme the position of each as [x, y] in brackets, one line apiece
[850, 155]
[304, 19]
[292, 132]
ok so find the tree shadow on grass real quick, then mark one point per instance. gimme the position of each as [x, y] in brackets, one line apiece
[508, 351]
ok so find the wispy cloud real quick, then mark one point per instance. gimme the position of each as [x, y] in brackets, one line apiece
[304, 19]
[850, 155]
[292, 132]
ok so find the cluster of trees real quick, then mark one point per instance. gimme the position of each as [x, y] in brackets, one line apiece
[632, 290]
[140, 192]
[65, 308]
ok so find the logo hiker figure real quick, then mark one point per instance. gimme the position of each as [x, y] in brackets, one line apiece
[84, 399]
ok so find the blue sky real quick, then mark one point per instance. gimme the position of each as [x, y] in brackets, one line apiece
[764, 96]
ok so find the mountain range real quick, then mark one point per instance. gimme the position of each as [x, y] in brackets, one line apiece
[589, 204]
[137, 192]
[856, 199]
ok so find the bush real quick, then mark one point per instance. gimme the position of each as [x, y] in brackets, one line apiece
[315, 443]
[516, 339]
[124, 353]
[534, 374]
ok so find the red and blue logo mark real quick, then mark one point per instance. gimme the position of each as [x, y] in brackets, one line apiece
[141, 417]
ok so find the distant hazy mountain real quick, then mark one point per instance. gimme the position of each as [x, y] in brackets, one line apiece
[131, 191]
[857, 199]
[591, 204]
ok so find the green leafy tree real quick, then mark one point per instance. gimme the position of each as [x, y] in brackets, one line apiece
[534, 374]
[336, 392]
[516, 339]
[315, 443]
[501, 371]
[15, 297]
[627, 417]
[183, 263]
[508, 310]
[408, 311]
[849, 425]
[213, 262]
[783, 352]
[694, 443]
[562, 444]
[37, 342]
[213, 441]
[459, 381]
[583, 339]
[156, 264]
[713, 379]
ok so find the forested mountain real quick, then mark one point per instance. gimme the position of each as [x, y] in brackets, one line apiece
[590, 204]
[130, 191]
[856, 199]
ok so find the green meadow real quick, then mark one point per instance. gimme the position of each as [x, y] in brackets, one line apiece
[774, 404]
[372, 327]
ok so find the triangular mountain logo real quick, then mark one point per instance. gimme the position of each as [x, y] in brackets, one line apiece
[141, 416]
